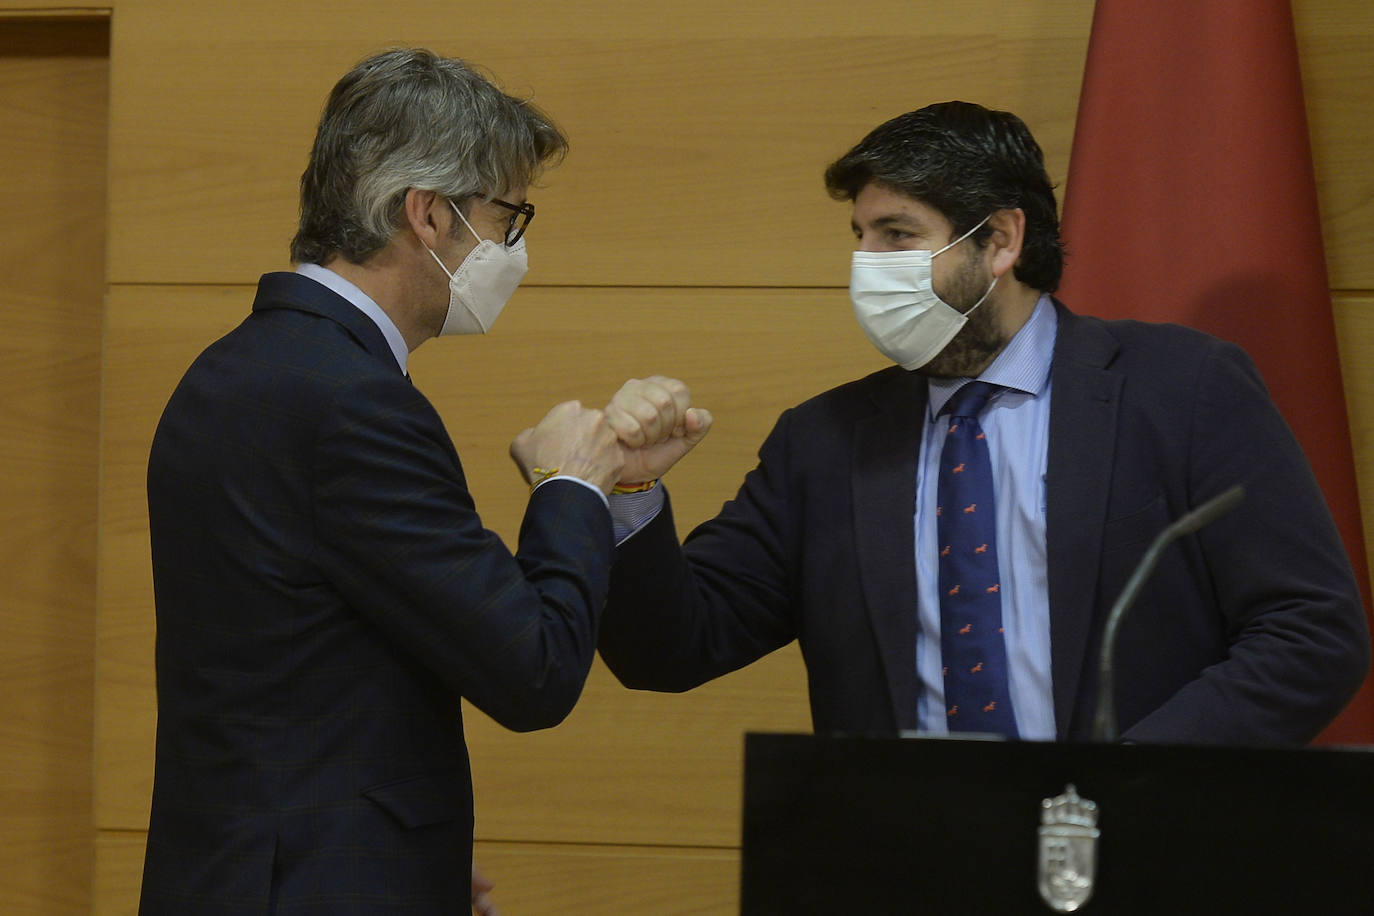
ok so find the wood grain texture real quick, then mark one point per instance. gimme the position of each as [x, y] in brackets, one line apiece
[544, 880]
[53, 85]
[151, 336]
[118, 872]
[1336, 53]
[1354, 317]
[697, 150]
[699, 132]
[634, 767]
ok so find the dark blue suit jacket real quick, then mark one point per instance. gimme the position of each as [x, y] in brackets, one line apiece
[1250, 632]
[325, 595]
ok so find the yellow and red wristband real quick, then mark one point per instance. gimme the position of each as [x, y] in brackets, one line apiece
[622, 489]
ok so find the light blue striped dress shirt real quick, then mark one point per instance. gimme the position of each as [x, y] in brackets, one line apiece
[363, 303]
[1017, 424]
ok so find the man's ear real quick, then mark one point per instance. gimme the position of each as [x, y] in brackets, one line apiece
[424, 215]
[1008, 236]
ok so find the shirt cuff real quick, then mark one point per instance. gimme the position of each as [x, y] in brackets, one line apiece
[632, 511]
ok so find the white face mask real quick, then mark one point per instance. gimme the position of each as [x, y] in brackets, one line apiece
[482, 284]
[898, 308]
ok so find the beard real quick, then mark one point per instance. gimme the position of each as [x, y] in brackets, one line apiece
[980, 339]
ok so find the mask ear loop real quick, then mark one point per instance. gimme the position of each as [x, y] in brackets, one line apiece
[953, 243]
[956, 242]
[985, 297]
[479, 238]
[446, 271]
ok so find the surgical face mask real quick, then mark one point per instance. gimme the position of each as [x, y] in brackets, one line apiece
[898, 308]
[482, 284]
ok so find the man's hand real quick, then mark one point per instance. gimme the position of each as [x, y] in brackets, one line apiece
[574, 440]
[656, 424]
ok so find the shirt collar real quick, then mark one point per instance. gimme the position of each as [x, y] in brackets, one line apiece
[364, 303]
[1024, 364]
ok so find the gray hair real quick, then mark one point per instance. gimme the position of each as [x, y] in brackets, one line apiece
[404, 119]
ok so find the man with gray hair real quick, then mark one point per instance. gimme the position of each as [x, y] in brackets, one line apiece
[325, 590]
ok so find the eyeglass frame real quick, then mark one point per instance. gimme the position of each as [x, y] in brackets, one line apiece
[515, 233]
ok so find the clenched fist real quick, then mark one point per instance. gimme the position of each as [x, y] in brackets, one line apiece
[574, 439]
[656, 425]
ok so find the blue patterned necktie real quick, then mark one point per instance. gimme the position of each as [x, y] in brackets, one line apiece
[974, 653]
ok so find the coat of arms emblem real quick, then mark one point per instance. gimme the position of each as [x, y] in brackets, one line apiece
[1068, 850]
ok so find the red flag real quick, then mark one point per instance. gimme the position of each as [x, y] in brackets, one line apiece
[1190, 198]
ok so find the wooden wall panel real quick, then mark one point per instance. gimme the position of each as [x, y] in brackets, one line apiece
[53, 90]
[697, 150]
[699, 132]
[118, 873]
[1354, 314]
[151, 336]
[1336, 50]
[534, 880]
[634, 767]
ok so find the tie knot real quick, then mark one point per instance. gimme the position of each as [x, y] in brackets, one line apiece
[970, 400]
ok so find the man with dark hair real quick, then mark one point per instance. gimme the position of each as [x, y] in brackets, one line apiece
[325, 590]
[945, 537]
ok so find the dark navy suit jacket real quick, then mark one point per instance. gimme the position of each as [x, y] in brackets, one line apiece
[1251, 631]
[325, 595]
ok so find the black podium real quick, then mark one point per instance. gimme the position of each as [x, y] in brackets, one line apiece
[944, 826]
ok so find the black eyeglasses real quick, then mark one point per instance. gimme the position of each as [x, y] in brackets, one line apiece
[519, 219]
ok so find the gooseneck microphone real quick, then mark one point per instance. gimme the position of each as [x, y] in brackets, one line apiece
[1104, 720]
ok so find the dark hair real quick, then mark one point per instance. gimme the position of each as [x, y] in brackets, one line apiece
[965, 161]
[409, 118]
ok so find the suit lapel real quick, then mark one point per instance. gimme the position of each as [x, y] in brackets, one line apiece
[1084, 406]
[886, 445]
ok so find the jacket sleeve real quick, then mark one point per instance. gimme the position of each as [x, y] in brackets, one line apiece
[679, 616]
[1290, 611]
[399, 535]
